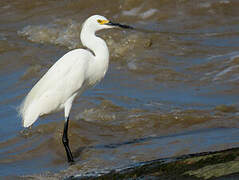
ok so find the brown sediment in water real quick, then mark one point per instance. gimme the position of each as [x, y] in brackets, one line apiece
[175, 74]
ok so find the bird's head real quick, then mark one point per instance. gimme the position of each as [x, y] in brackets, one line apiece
[97, 22]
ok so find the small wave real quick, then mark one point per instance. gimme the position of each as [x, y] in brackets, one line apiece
[61, 32]
[148, 13]
[223, 67]
[3, 37]
[224, 72]
[67, 33]
[232, 55]
[136, 12]
[132, 12]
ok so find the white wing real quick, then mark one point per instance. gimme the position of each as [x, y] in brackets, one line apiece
[60, 82]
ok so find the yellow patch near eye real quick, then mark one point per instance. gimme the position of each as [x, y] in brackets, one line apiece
[102, 21]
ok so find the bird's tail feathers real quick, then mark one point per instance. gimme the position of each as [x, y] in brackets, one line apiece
[29, 114]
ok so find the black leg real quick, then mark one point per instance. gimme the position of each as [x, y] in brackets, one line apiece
[66, 142]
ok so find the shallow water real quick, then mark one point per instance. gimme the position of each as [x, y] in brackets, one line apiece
[171, 88]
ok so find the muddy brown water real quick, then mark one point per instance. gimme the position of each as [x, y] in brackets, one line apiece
[171, 88]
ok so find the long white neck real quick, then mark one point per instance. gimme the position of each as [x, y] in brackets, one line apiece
[95, 44]
[98, 65]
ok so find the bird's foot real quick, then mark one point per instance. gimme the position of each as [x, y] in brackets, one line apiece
[71, 162]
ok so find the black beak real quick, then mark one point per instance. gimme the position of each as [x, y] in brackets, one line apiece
[119, 25]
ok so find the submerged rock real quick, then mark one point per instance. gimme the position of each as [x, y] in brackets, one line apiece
[226, 108]
[208, 165]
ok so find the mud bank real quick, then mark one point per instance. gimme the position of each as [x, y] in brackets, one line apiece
[207, 165]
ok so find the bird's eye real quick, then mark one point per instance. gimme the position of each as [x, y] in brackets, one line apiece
[102, 22]
[99, 21]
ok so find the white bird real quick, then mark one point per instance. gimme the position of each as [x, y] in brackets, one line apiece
[76, 71]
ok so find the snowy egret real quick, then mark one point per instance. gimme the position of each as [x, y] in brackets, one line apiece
[73, 73]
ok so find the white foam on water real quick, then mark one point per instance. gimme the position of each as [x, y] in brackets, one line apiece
[132, 65]
[224, 72]
[61, 32]
[148, 13]
[132, 12]
[232, 55]
[136, 12]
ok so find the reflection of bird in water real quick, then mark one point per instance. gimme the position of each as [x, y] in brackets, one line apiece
[70, 76]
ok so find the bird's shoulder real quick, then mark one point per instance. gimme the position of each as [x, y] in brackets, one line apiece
[69, 69]
[77, 55]
[75, 61]
[77, 58]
